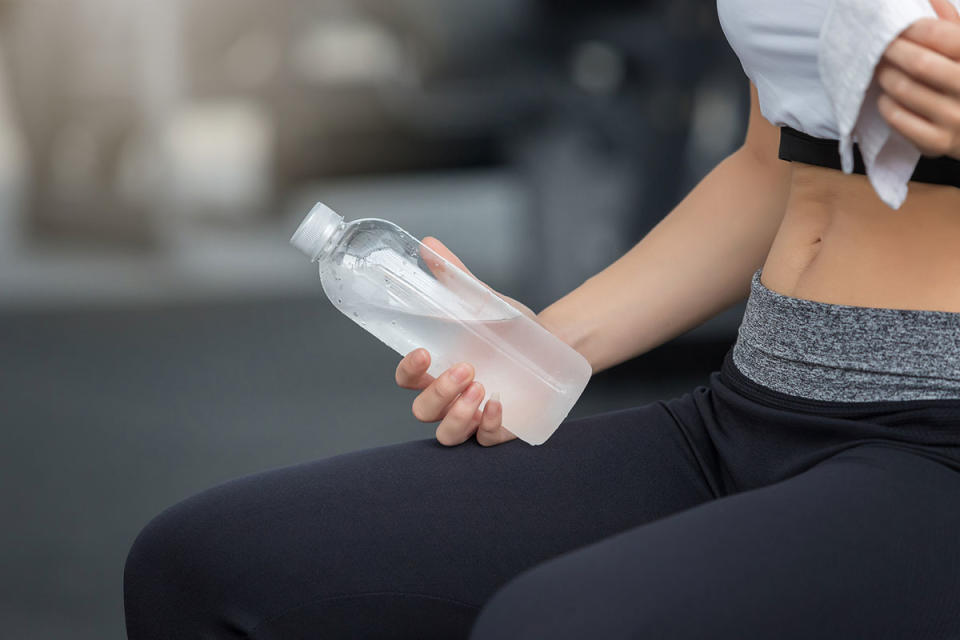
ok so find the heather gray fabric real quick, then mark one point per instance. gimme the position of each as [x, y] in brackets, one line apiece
[842, 353]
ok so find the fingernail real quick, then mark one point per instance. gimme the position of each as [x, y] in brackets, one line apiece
[494, 397]
[460, 372]
[472, 393]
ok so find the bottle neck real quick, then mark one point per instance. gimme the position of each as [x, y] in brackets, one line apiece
[328, 240]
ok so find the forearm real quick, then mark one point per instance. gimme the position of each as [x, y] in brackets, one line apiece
[695, 263]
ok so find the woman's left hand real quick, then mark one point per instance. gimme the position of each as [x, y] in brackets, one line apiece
[920, 79]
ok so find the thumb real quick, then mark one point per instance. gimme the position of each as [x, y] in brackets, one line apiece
[436, 248]
[441, 250]
[945, 10]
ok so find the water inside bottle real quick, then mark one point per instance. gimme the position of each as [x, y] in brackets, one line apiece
[540, 401]
[459, 320]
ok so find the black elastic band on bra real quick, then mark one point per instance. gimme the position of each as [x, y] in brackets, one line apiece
[796, 146]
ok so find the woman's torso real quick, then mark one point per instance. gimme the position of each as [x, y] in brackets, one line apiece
[839, 243]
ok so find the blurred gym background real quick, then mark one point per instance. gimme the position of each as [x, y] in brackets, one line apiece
[157, 333]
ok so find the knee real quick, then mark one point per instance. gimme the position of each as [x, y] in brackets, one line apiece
[569, 598]
[167, 574]
[528, 607]
[153, 575]
[503, 616]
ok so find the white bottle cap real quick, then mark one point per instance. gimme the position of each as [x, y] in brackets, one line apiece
[315, 230]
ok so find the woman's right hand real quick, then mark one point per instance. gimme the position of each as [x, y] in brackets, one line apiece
[454, 397]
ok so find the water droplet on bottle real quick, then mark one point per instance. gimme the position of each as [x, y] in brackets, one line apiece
[356, 315]
[393, 322]
[339, 300]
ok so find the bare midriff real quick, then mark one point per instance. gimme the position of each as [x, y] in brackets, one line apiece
[839, 243]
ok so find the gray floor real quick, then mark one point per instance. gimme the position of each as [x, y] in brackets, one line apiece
[110, 415]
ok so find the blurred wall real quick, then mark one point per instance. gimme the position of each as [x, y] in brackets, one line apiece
[169, 130]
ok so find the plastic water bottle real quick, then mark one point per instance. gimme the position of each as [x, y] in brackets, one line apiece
[408, 296]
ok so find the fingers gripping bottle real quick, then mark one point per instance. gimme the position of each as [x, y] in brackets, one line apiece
[408, 296]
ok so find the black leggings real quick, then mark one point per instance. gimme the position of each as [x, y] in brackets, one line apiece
[731, 512]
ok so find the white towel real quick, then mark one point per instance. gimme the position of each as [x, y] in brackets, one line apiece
[852, 41]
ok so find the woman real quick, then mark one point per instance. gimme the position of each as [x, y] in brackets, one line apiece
[810, 490]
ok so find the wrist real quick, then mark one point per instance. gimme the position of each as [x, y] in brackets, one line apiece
[568, 330]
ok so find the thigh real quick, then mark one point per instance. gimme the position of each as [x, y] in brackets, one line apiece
[400, 541]
[864, 545]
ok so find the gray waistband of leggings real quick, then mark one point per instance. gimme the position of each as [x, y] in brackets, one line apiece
[843, 353]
